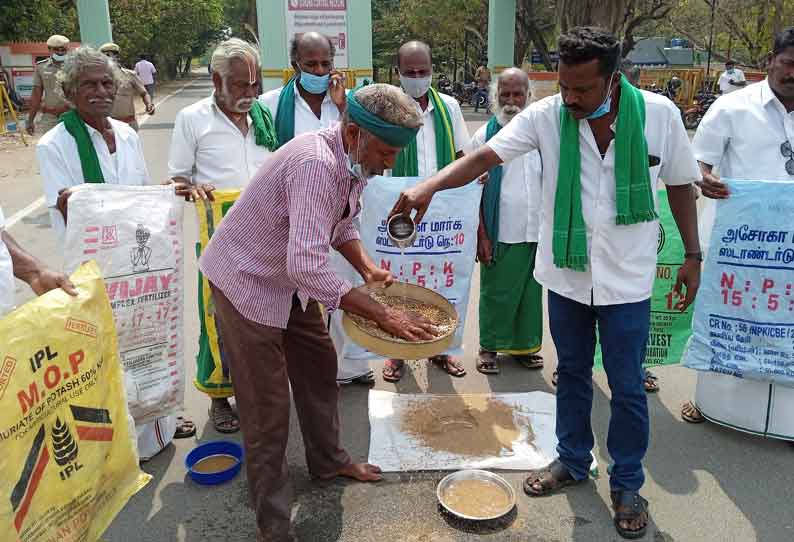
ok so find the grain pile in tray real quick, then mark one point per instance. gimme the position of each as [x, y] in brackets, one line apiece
[443, 323]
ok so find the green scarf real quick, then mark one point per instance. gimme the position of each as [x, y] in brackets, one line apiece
[285, 116]
[407, 163]
[491, 193]
[89, 161]
[391, 134]
[264, 130]
[633, 196]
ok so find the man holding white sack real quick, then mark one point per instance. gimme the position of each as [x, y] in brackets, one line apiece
[748, 135]
[440, 141]
[88, 146]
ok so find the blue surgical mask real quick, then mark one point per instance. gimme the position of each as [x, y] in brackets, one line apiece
[58, 58]
[606, 106]
[314, 84]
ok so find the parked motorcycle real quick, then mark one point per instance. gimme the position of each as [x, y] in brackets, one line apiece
[694, 114]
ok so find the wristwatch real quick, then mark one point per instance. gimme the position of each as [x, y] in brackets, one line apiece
[694, 256]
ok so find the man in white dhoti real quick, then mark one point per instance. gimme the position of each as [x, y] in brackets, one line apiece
[748, 135]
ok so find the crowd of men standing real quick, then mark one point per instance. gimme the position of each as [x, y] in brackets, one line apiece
[569, 205]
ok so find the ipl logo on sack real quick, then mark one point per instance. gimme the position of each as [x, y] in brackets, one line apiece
[91, 424]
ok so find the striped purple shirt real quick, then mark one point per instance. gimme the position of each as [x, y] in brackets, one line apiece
[275, 240]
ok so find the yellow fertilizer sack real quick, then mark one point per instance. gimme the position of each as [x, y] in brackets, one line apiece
[212, 375]
[68, 463]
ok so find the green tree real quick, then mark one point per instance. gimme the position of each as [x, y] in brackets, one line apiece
[37, 20]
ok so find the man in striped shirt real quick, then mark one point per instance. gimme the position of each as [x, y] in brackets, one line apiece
[268, 266]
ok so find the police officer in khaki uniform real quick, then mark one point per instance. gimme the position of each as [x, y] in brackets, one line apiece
[124, 105]
[45, 85]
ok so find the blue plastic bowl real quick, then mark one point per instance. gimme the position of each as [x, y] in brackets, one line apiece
[215, 447]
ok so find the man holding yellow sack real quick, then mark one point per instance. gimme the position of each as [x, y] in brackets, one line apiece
[220, 142]
[16, 262]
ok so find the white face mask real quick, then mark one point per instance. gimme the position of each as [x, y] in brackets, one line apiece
[416, 87]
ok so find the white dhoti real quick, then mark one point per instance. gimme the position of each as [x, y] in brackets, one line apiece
[154, 436]
[761, 408]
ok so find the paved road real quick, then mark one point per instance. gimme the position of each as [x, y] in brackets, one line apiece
[704, 482]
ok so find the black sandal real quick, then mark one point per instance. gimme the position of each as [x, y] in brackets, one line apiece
[552, 477]
[530, 361]
[487, 362]
[629, 506]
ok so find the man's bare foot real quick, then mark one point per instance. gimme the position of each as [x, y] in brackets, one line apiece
[363, 472]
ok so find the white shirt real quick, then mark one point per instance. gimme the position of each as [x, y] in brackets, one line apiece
[741, 134]
[207, 147]
[6, 274]
[622, 259]
[520, 195]
[426, 136]
[725, 78]
[305, 119]
[145, 71]
[59, 163]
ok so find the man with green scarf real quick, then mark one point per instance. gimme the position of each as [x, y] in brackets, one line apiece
[88, 146]
[511, 300]
[315, 97]
[440, 140]
[604, 146]
[220, 142]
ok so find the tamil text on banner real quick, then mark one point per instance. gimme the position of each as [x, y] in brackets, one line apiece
[744, 313]
[212, 375]
[442, 256]
[328, 17]
[135, 235]
[670, 328]
[68, 464]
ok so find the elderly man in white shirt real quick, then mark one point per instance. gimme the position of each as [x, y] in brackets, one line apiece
[511, 300]
[732, 78]
[748, 135]
[441, 139]
[88, 146]
[604, 145]
[16, 262]
[220, 142]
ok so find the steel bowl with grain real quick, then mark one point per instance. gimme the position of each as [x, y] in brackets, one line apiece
[395, 348]
[480, 475]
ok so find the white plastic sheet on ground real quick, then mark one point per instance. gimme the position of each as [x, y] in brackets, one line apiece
[394, 450]
[135, 235]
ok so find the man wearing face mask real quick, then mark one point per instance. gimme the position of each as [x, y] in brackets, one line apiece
[732, 78]
[511, 300]
[45, 88]
[268, 266]
[318, 103]
[88, 146]
[315, 97]
[440, 140]
[604, 145]
[221, 141]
